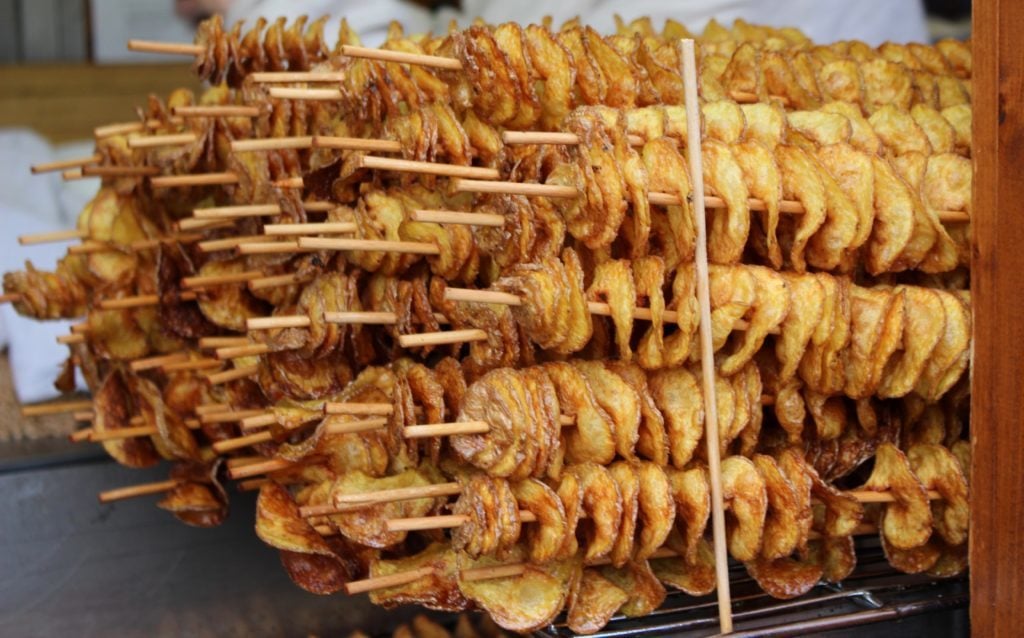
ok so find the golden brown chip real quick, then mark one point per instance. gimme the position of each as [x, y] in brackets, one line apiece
[438, 590]
[923, 328]
[727, 235]
[770, 309]
[627, 479]
[793, 464]
[807, 306]
[691, 491]
[657, 509]
[911, 561]
[896, 210]
[785, 578]
[781, 531]
[877, 318]
[907, 522]
[602, 503]
[521, 603]
[950, 357]
[368, 525]
[619, 401]
[938, 469]
[652, 442]
[766, 123]
[801, 181]
[764, 181]
[952, 561]
[695, 577]
[646, 593]
[592, 437]
[677, 394]
[613, 284]
[746, 499]
[544, 538]
[733, 291]
[836, 555]
[594, 603]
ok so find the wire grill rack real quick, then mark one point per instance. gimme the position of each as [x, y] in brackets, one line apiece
[873, 593]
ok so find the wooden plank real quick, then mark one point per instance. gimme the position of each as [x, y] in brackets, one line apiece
[66, 101]
[997, 489]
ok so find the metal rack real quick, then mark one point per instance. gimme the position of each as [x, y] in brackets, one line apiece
[873, 593]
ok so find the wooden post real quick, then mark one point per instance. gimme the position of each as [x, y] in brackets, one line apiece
[997, 402]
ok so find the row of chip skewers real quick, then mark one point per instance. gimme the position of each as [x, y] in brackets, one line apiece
[541, 187]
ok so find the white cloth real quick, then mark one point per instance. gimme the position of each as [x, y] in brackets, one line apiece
[369, 19]
[824, 21]
[33, 204]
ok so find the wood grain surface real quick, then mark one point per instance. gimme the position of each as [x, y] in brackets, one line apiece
[66, 101]
[997, 472]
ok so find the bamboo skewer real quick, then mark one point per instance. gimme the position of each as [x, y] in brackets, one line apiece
[232, 375]
[286, 93]
[382, 245]
[120, 171]
[427, 168]
[195, 179]
[271, 144]
[203, 281]
[277, 280]
[212, 408]
[707, 351]
[270, 77]
[169, 48]
[228, 243]
[226, 110]
[191, 223]
[140, 301]
[289, 182]
[55, 236]
[441, 338]
[271, 248]
[401, 57]
[263, 467]
[71, 339]
[171, 139]
[56, 407]
[145, 489]
[192, 365]
[491, 220]
[329, 228]
[236, 212]
[235, 352]
[60, 165]
[149, 363]
[221, 342]
[73, 175]
[356, 144]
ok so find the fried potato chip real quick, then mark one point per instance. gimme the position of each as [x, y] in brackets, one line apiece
[733, 293]
[907, 522]
[646, 593]
[801, 180]
[723, 121]
[552, 63]
[952, 561]
[766, 123]
[840, 80]
[836, 555]
[649, 280]
[694, 577]
[652, 442]
[746, 499]
[885, 83]
[437, 590]
[580, 325]
[613, 284]
[691, 492]
[545, 537]
[727, 235]
[938, 469]
[950, 357]
[619, 401]
[570, 492]
[602, 503]
[627, 479]
[112, 410]
[678, 396]
[594, 603]
[657, 509]
[497, 399]
[770, 309]
[785, 578]
[911, 561]
[593, 437]
[764, 181]
[947, 181]
[521, 603]
[790, 409]
[781, 531]
[794, 466]
[230, 305]
[280, 525]
[854, 175]
[894, 224]
[807, 305]
[368, 526]
[876, 327]
[923, 328]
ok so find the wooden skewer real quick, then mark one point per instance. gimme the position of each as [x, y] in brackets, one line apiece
[226, 110]
[10, 297]
[271, 144]
[286, 93]
[80, 328]
[270, 77]
[338, 243]
[254, 469]
[272, 323]
[239, 461]
[195, 364]
[191, 223]
[441, 338]
[277, 280]
[356, 144]
[345, 427]
[391, 580]
[119, 171]
[378, 409]
[221, 342]
[56, 407]
[122, 128]
[123, 433]
[492, 220]
[707, 352]
[90, 246]
[514, 188]
[149, 244]
[261, 421]
[140, 301]
[171, 48]
[212, 408]
[402, 57]
[195, 179]
[308, 228]
[55, 236]
[73, 174]
[362, 318]
[427, 168]
[251, 485]
[229, 243]
[144, 489]
[150, 363]
[171, 139]
[83, 415]
[235, 212]
[289, 182]
[271, 248]
[80, 436]
[218, 280]
[232, 375]
[71, 339]
[235, 352]
[61, 165]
